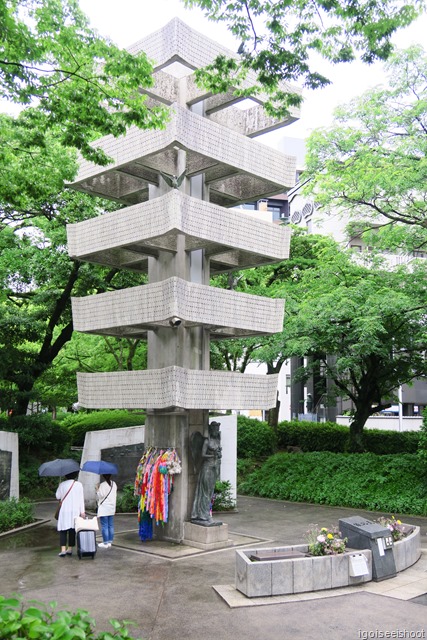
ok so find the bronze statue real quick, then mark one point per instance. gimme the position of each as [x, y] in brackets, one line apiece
[207, 457]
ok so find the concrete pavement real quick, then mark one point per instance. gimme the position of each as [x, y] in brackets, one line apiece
[173, 592]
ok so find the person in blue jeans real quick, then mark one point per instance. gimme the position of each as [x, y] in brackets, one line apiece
[106, 496]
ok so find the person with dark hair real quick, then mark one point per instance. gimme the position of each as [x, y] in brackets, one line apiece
[71, 496]
[106, 495]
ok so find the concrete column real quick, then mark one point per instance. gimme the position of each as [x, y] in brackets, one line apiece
[182, 346]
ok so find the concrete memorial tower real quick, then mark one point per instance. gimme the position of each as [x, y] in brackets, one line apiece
[178, 185]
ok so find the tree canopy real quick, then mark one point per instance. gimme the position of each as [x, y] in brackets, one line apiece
[362, 325]
[372, 162]
[80, 85]
[282, 42]
[37, 280]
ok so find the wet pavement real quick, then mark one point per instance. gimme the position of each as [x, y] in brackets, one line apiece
[172, 592]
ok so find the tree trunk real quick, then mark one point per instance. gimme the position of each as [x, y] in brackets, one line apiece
[22, 399]
[356, 429]
[273, 414]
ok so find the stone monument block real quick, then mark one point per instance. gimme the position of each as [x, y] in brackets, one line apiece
[9, 465]
[124, 447]
[5, 474]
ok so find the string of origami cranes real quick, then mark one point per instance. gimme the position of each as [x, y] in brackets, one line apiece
[154, 483]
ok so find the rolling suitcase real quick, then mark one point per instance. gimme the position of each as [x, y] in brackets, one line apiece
[86, 544]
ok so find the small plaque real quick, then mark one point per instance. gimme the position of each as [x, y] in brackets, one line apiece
[358, 565]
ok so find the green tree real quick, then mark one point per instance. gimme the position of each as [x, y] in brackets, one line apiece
[80, 85]
[72, 86]
[372, 163]
[37, 280]
[370, 318]
[271, 351]
[57, 386]
[279, 40]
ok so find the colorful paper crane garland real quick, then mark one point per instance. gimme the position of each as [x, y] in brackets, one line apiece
[154, 483]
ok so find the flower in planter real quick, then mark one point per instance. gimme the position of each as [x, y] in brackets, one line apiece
[325, 541]
[395, 526]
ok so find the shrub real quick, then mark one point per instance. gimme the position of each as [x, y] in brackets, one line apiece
[329, 436]
[31, 485]
[38, 434]
[390, 442]
[245, 466]
[422, 443]
[393, 483]
[15, 513]
[38, 621]
[223, 500]
[312, 436]
[255, 438]
[78, 424]
[127, 502]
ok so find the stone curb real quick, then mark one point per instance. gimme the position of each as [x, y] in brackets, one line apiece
[32, 525]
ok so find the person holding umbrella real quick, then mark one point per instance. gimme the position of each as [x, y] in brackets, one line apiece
[70, 493]
[106, 495]
[71, 500]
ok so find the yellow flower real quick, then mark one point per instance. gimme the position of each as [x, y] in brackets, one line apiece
[330, 536]
[398, 522]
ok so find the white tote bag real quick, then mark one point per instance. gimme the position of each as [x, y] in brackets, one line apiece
[86, 524]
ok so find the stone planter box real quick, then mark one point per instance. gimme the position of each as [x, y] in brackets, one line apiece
[408, 550]
[296, 574]
[271, 577]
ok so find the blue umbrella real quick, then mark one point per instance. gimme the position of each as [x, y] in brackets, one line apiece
[101, 467]
[58, 467]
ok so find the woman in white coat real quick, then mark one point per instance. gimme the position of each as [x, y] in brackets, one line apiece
[70, 493]
[106, 495]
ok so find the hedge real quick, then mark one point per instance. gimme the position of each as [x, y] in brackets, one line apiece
[79, 423]
[255, 438]
[329, 436]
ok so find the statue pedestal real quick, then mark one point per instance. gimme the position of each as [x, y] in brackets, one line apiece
[206, 538]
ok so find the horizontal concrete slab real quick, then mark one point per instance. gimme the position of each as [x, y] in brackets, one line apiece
[132, 312]
[237, 168]
[176, 387]
[230, 238]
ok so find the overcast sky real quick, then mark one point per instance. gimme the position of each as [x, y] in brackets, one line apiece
[127, 21]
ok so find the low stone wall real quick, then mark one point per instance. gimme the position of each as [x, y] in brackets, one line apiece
[408, 550]
[313, 573]
[295, 575]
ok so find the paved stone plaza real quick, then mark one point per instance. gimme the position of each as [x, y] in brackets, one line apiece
[174, 592]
